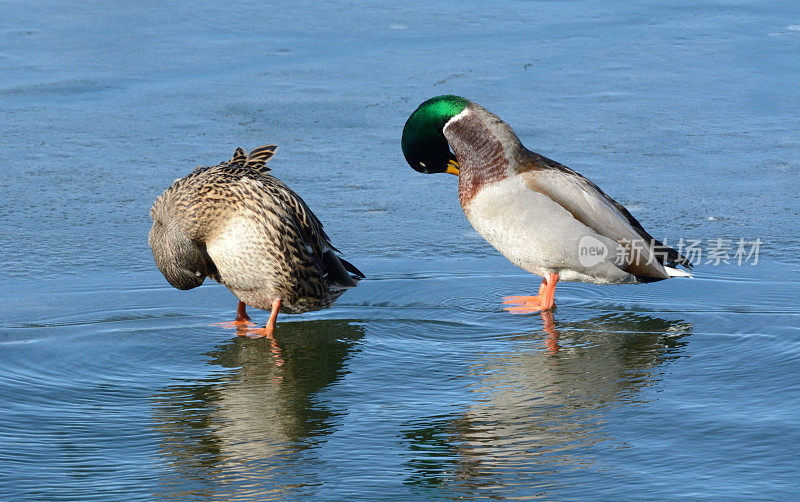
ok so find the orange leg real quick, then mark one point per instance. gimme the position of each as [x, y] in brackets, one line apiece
[267, 330]
[545, 300]
[273, 316]
[242, 319]
[241, 312]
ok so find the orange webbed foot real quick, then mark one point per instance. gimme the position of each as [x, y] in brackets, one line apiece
[259, 333]
[530, 304]
[237, 323]
[520, 300]
[269, 329]
[526, 304]
[242, 320]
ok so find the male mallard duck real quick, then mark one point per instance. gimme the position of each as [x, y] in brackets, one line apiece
[244, 228]
[543, 216]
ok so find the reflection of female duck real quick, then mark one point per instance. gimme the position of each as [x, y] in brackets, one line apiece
[243, 420]
[541, 406]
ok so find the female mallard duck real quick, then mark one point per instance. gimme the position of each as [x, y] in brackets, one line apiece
[244, 228]
[543, 216]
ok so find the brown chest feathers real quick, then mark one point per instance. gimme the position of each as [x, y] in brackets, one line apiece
[486, 150]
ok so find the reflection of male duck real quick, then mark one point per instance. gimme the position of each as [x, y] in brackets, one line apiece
[545, 401]
[237, 424]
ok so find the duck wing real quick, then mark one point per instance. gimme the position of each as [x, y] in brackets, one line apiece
[336, 270]
[587, 203]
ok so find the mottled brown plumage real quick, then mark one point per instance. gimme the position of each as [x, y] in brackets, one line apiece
[244, 228]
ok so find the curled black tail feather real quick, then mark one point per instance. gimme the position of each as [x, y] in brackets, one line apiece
[258, 157]
[337, 271]
[352, 269]
[239, 158]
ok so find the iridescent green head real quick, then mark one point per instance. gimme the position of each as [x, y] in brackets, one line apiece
[424, 145]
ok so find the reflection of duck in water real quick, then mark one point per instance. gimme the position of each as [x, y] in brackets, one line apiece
[544, 405]
[244, 228]
[242, 425]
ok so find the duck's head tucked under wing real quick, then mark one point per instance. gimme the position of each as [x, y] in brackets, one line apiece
[177, 256]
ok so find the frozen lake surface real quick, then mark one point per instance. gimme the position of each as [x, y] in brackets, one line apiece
[416, 384]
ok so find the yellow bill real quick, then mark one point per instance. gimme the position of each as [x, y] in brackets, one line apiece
[452, 167]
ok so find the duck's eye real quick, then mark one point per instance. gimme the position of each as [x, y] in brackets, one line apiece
[421, 164]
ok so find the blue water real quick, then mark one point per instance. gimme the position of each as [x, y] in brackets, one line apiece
[415, 385]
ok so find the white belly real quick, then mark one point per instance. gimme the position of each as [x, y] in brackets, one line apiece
[538, 235]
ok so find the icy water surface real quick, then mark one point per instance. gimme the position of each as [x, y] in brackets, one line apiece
[415, 385]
